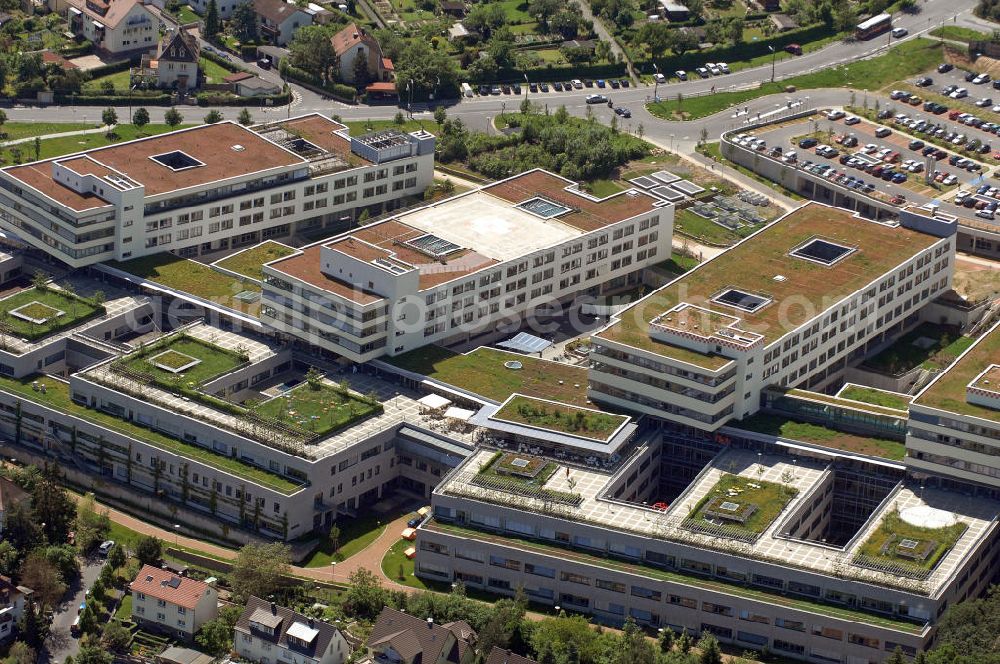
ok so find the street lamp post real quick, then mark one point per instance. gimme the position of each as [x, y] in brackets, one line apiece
[333, 571]
[526, 86]
[409, 104]
[177, 536]
[773, 54]
[656, 83]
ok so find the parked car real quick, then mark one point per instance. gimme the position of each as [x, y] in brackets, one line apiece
[681, 75]
[898, 33]
[924, 81]
[106, 547]
[596, 99]
[945, 67]
[808, 142]
[794, 49]
[882, 132]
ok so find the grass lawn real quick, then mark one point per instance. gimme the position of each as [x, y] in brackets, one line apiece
[958, 33]
[178, 351]
[756, 507]
[929, 346]
[875, 397]
[45, 305]
[249, 261]
[677, 264]
[57, 396]
[703, 229]
[192, 277]
[395, 561]
[16, 130]
[482, 372]
[905, 60]
[186, 15]
[319, 411]
[355, 535]
[576, 421]
[214, 72]
[819, 435]
[604, 188]
[884, 545]
[358, 127]
[119, 79]
[124, 611]
[57, 147]
[714, 151]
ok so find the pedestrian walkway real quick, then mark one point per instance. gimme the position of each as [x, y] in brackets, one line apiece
[64, 134]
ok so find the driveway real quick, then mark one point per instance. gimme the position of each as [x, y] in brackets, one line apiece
[60, 643]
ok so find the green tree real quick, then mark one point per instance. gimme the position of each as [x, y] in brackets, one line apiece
[93, 653]
[211, 19]
[440, 115]
[21, 528]
[734, 30]
[258, 569]
[310, 51]
[116, 637]
[845, 17]
[52, 505]
[245, 118]
[173, 117]
[140, 118]
[116, 557]
[216, 636]
[366, 596]
[63, 558]
[33, 629]
[710, 651]
[967, 632]
[22, 653]
[149, 550]
[243, 22]
[38, 148]
[556, 637]
[897, 657]
[633, 647]
[360, 72]
[109, 118]
[88, 621]
[91, 527]
[213, 116]
[417, 61]
[10, 558]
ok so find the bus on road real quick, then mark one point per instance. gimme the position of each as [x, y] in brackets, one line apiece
[874, 26]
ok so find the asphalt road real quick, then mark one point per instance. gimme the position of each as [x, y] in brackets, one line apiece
[61, 643]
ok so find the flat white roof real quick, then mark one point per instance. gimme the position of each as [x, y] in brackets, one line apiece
[490, 226]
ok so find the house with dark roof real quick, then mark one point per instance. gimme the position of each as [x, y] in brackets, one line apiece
[172, 604]
[354, 42]
[277, 20]
[452, 7]
[12, 602]
[500, 656]
[10, 495]
[404, 639]
[176, 60]
[266, 632]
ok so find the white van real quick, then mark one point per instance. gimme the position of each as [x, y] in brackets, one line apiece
[467, 90]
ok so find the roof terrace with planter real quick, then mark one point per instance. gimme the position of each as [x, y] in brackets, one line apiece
[740, 504]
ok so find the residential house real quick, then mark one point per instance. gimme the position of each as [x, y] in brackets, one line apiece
[674, 11]
[246, 84]
[404, 639]
[354, 42]
[266, 632]
[178, 655]
[12, 602]
[10, 494]
[500, 656]
[452, 7]
[176, 60]
[115, 26]
[278, 20]
[768, 5]
[172, 604]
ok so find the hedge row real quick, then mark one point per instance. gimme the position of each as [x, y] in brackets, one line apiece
[340, 91]
[213, 99]
[113, 100]
[747, 51]
[113, 68]
[228, 65]
[75, 51]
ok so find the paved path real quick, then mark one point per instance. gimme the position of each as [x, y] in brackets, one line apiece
[604, 35]
[63, 134]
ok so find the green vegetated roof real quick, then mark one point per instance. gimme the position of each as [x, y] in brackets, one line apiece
[57, 396]
[75, 310]
[816, 434]
[948, 392]
[560, 417]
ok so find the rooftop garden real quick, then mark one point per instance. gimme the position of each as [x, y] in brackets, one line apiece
[731, 588]
[183, 361]
[523, 475]
[249, 262]
[948, 392]
[875, 397]
[482, 372]
[739, 506]
[57, 396]
[37, 312]
[319, 407]
[928, 346]
[195, 278]
[816, 434]
[902, 548]
[880, 249]
[558, 417]
[842, 402]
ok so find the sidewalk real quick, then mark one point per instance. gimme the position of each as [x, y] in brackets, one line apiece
[64, 134]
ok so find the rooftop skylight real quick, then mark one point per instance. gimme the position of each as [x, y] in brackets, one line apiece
[821, 251]
[543, 208]
[745, 301]
[176, 160]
